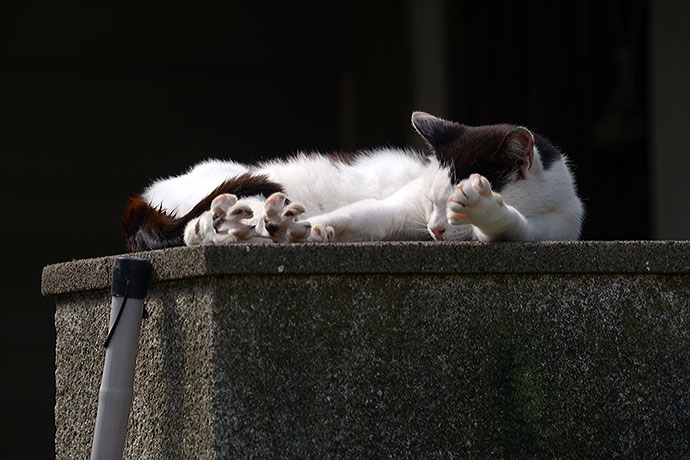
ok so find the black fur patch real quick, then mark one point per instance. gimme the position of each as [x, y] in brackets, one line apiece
[481, 150]
[436, 131]
[485, 150]
[272, 228]
[548, 152]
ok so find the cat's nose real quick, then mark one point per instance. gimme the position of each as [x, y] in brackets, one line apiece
[438, 233]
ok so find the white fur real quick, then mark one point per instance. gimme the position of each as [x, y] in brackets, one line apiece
[543, 206]
[385, 194]
[178, 195]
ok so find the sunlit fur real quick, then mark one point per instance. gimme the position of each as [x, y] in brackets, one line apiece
[385, 194]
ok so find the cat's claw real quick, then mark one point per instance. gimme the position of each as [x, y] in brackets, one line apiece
[280, 220]
[322, 234]
[473, 202]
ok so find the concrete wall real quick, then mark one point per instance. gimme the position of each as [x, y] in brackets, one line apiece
[551, 350]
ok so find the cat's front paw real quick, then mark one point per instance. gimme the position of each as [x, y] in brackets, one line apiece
[224, 223]
[473, 202]
[281, 219]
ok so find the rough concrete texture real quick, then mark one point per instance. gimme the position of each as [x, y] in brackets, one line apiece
[354, 362]
[171, 409]
[392, 257]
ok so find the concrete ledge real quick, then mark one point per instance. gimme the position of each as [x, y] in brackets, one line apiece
[391, 350]
[669, 257]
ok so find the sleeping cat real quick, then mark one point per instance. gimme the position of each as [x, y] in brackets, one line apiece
[496, 182]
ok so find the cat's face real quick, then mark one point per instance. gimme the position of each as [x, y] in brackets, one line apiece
[501, 153]
[437, 222]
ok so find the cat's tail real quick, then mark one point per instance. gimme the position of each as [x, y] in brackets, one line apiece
[148, 228]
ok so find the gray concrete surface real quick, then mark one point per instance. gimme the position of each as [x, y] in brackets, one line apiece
[395, 350]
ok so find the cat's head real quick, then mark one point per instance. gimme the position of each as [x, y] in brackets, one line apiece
[502, 153]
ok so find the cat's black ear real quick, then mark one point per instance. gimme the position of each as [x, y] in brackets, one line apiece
[520, 144]
[437, 132]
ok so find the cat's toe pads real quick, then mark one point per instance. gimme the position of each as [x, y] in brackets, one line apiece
[472, 200]
[281, 219]
[229, 219]
[224, 223]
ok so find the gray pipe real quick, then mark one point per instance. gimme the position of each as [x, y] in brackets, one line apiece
[130, 278]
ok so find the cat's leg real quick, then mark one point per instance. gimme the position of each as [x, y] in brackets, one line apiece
[473, 202]
[393, 218]
[346, 223]
[226, 222]
[399, 216]
[281, 220]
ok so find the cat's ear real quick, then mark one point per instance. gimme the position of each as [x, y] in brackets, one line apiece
[520, 145]
[437, 132]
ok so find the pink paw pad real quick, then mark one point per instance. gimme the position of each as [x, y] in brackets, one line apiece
[471, 201]
[281, 219]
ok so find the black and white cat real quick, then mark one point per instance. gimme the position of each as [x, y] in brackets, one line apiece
[496, 182]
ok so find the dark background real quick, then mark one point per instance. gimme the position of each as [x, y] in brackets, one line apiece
[97, 100]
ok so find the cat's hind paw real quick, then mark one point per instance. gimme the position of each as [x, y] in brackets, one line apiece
[281, 220]
[224, 223]
[199, 231]
[229, 216]
[322, 234]
[473, 202]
